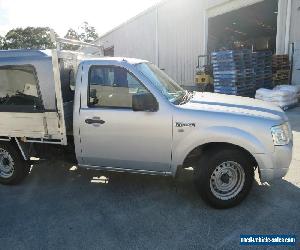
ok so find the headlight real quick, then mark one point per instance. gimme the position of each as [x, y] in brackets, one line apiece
[281, 134]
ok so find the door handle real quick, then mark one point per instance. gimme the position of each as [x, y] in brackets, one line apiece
[94, 121]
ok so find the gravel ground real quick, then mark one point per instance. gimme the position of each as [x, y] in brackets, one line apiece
[59, 207]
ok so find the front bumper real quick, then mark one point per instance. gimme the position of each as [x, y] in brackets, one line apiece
[275, 165]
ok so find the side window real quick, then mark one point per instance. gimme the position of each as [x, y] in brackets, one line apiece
[19, 89]
[109, 51]
[113, 87]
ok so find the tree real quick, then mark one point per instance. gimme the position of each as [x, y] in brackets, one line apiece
[71, 34]
[2, 40]
[39, 37]
[87, 33]
[28, 38]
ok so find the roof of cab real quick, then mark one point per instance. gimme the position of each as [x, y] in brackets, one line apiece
[32, 53]
[17, 53]
[119, 59]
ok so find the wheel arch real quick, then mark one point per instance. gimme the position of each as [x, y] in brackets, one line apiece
[196, 152]
[16, 169]
[17, 143]
[213, 136]
[202, 149]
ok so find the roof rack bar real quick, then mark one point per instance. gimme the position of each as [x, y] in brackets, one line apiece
[58, 40]
[76, 42]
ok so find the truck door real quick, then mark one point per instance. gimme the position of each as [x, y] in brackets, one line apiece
[112, 135]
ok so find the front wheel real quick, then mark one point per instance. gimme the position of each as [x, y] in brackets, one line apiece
[224, 178]
[13, 169]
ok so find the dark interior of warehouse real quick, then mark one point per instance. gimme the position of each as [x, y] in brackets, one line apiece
[252, 27]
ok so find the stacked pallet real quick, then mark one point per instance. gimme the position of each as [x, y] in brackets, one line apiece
[262, 67]
[281, 69]
[233, 72]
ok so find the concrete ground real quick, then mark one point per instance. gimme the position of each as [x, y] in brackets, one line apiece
[58, 207]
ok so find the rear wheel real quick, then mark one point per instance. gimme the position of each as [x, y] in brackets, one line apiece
[13, 169]
[224, 178]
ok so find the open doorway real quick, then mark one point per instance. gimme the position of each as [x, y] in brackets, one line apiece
[252, 27]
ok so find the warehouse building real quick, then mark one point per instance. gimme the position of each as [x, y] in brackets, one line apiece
[176, 33]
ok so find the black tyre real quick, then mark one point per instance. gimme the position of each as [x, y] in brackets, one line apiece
[13, 169]
[224, 178]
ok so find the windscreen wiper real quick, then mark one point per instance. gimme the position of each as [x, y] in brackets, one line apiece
[187, 96]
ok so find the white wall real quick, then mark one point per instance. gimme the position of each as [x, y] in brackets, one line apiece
[295, 38]
[295, 21]
[134, 39]
[180, 32]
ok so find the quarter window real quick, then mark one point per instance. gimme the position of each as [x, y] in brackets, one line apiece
[19, 89]
[113, 87]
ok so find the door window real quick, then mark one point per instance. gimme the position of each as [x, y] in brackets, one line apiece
[113, 87]
[19, 89]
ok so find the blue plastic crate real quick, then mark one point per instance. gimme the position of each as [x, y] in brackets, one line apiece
[231, 55]
[234, 88]
[234, 81]
[233, 84]
[235, 59]
[240, 93]
[233, 78]
[240, 71]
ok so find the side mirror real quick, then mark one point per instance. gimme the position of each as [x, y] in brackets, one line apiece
[72, 80]
[93, 97]
[144, 102]
[72, 87]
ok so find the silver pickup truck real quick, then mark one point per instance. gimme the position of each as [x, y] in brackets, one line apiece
[127, 115]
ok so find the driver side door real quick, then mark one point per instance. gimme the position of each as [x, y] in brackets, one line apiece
[114, 136]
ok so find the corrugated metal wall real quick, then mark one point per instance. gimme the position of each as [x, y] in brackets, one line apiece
[295, 38]
[180, 38]
[296, 64]
[134, 39]
[179, 31]
[295, 20]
